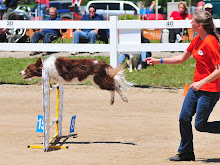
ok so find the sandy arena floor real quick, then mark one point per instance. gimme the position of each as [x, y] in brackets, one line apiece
[143, 131]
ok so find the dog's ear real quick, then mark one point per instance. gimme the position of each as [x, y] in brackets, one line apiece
[39, 63]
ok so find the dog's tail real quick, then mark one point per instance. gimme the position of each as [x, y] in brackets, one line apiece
[119, 77]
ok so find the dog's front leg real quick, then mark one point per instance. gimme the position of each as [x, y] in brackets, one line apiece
[112, 97]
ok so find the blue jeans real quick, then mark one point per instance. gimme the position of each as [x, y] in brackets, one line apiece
[41, 35]
[201, 103]
[40, 11]
[144, 55]
[81, 34]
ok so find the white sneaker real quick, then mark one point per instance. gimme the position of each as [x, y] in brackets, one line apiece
[179, 38]
[139, 68]
[74, 53]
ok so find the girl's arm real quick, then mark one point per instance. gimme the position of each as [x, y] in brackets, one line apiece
[173, 60]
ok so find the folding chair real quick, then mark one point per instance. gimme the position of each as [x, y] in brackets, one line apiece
[100, 37]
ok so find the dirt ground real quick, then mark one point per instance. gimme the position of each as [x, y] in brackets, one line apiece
[143, 131]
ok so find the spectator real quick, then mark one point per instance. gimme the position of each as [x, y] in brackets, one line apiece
[42, 4]
[88, 33]
[2, 9]
[200, 5]
[144, 55]
[178, 15]
[208, 7]
[150, 10]
[47, 34]
[10, 5]
[2, 35]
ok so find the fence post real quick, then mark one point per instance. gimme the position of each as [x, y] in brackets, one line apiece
[114, 41]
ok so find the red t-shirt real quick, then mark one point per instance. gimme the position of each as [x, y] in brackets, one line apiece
[206, 53]
[177, 16]
[43, 2]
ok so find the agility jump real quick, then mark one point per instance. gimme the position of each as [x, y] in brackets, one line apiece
[46, 113]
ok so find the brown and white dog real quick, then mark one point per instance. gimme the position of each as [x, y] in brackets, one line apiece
[64, 70]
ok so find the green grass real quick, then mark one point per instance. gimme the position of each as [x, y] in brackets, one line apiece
[171, 76]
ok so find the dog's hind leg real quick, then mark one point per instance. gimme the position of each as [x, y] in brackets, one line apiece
[112, 97]
[118, 90]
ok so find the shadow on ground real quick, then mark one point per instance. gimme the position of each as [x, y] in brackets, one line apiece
[63, 141]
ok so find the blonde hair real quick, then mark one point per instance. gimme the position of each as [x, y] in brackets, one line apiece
[55, 9]
[205, 19]
[184, 5]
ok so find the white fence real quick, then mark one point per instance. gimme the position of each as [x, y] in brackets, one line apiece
[113, 25]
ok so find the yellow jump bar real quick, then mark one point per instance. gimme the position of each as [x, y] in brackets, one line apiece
[53, 147]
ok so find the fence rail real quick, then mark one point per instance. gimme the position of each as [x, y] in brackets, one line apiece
[113, 25]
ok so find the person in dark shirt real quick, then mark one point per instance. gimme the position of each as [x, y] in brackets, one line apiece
[88, 33]
[209, 8]
[47, 34]
[10, 5]
[2, 34]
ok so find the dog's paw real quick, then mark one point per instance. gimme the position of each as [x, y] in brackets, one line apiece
[54, 86]
[124, 99]
[112, 101]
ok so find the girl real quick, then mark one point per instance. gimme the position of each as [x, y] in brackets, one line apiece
[181, 14]
[204, 92]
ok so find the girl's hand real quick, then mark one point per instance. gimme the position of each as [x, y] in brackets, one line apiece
[152, 61]
[196, 85]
